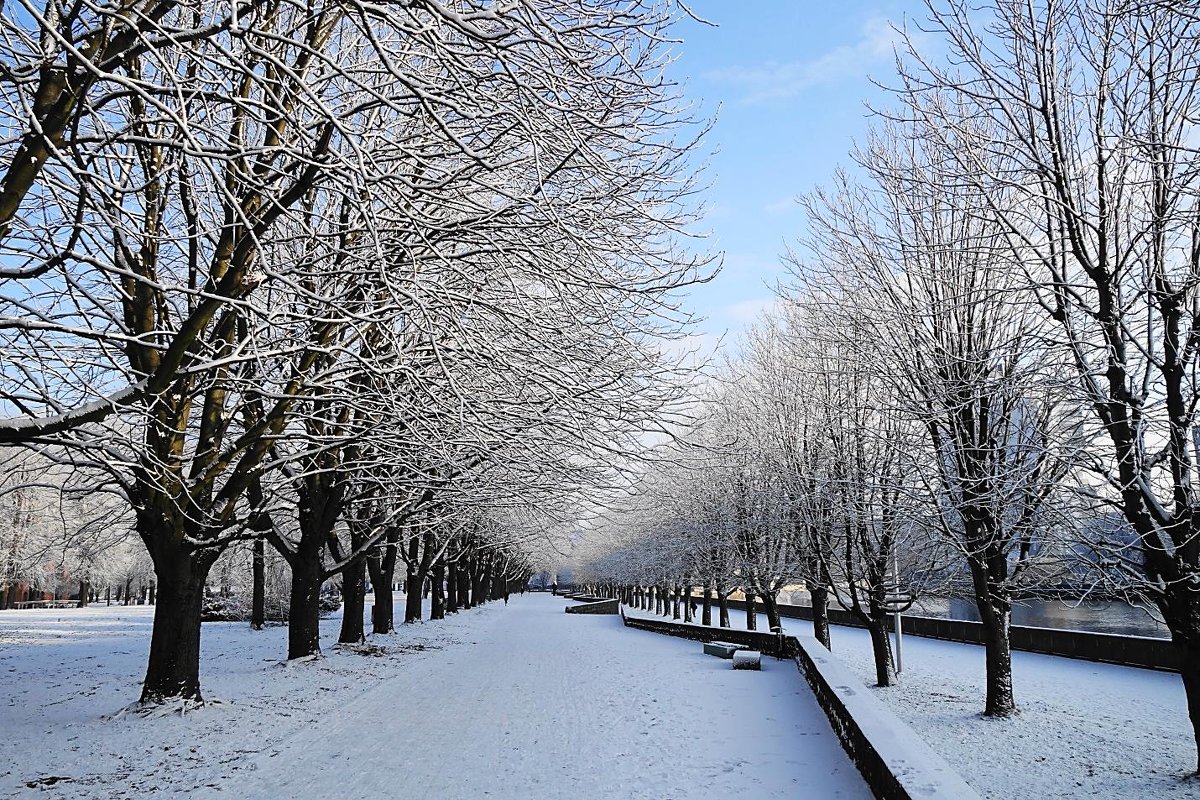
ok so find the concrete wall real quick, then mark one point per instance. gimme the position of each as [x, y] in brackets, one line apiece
[1130, 651]
[596, 607]
[893, 760]
[764, 642]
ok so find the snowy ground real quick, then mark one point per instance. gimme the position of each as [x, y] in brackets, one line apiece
[504, 702]
[1085, 730]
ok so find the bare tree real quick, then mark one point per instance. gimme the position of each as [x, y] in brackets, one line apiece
[252, 208]
[911, 278]
[1085, 113]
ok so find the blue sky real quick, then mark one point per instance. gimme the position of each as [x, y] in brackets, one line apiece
[789, 81]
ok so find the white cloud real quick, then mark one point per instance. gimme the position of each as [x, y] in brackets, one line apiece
[778, 81]
[745, 266]
[783, 205]
[749, 310]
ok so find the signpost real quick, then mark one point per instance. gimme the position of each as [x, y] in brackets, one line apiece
[898, 600]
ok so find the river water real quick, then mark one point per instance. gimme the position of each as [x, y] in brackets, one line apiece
[1098, 616]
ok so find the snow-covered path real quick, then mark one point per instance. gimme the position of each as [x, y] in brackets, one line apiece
[498, 702]
[544, 703]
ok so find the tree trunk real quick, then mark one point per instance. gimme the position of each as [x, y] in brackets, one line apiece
[820, 614]
[771, 607]
[383, 616]
[485, 581]
[412, 588]
[1189, 670]
[437, 604]
[995, 611]
[751, 613]
[723, 606]
[676, 593]
[83, 594]
[258, 603]
[477, 572]
[463, 583]
[354, 587]
[304, 610]
[881, 649]
[173, 670]
[706, 618]
[452, 588]
[382, 568]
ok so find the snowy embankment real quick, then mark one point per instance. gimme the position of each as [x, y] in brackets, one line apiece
[505, 702]
[1085, 730]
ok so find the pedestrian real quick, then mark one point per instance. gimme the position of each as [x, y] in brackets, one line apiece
[554, 588]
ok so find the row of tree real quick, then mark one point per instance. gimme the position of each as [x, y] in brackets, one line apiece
[374, 283]
[984, 366]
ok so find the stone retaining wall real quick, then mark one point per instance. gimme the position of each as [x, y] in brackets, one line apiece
[764, 642]
[596, 607]
[893, 760]
[1131, 651]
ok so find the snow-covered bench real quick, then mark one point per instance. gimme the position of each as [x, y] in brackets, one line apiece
[720, 649]
[25, 604]
[747, 659]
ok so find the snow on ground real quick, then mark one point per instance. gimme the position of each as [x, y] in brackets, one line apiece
[503, 702]
[1085, 729]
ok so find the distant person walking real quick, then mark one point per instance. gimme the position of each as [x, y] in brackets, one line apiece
[554, 588]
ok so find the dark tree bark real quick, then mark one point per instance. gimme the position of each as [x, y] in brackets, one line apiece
[820, 613]
[706, 617]
[437, 604]
[83, 594]
[995, 612]
[751, 612]
[771, 607]
[478, 568]
[412, 581]
[304, 608]
[354, 589]
[173, 668]
[881, 649]
[321, 500]
[451, 587]
[464, 582]
[723, 606]
[382, 568]
[485, 578]
[258, 603]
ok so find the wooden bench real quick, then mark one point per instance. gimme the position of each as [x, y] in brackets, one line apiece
[720, 649]
[24, 604]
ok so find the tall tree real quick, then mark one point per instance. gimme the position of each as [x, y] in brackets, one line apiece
[1076, 122]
